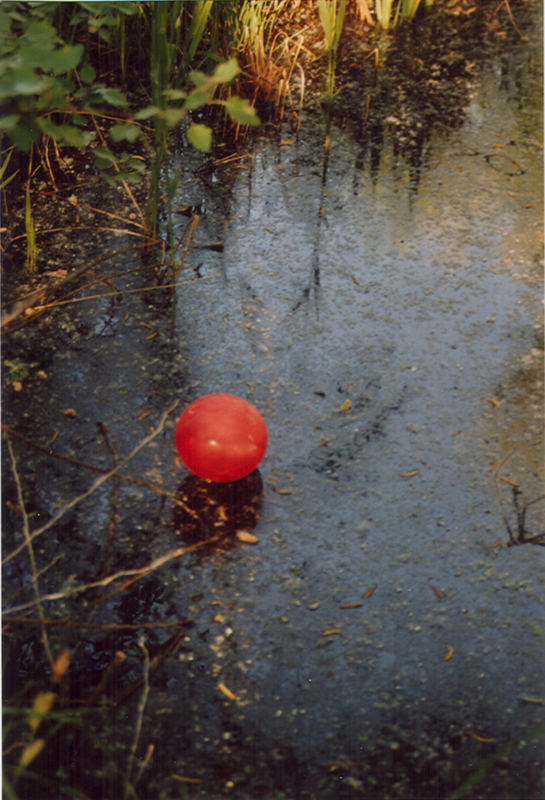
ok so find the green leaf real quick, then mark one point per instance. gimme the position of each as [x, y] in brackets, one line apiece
[34, 55]
[24, 136]
[113, 97]
[200, 136]
[241, 110]
[175, 94]
[104, 158]
[147, 112]
[196, 99]
[129, 133]
[68, 134]
[39, 33]
[9, 122]
[137, 164]
[74, 137]
[87, 73]
[173, 116]
[227, 71]
[66, 58]
[24, 82]
[198, 78]
[132, 177]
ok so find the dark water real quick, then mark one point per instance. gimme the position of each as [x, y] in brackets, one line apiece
[380, 639]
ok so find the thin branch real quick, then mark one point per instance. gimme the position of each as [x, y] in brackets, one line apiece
[28, 544]
[127, 573]
[112, 522]
[44, 306]
[78, 463]
[139, 713]
[94, 486]
[100, 626]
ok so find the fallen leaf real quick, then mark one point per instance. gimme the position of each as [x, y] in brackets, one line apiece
[183, 779]
[70, 412]
[61, 665]
[494, 402]
[226, 691]
[482, 738]
[331, 632]
[31, 751]
[436, 591]
[514, 484]
[408, 474]
[246, 536]
[537, 700]
[346, 406]
[41, 705]
[450, 653]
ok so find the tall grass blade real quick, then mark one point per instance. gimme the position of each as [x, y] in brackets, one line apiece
[31, 248]
[199, 19]
[383, 11]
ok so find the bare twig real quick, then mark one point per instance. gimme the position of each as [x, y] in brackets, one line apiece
[100, 626]
[52, 288]
[28, 544]
[78, 463]
[94, 486]
[42, 293]
[112, 522]
[144, 763]
[521, 536]
[127, 573]
[139, 713]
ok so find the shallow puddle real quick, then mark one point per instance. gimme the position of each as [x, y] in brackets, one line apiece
[378, 638]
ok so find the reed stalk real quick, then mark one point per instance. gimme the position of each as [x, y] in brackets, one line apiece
[332, 20]
[31, 247]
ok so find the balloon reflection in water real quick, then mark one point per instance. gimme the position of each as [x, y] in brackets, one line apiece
[217, 509]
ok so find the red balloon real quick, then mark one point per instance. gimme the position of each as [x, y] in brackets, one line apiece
[221, 437]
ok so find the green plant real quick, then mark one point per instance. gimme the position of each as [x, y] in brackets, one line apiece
[332, 20]
[52, 88]
[405, 10]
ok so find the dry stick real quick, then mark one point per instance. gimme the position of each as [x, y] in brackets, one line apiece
[78, 463]
[21, 305]
[497, 478]
[94, 486]
[139, 713]
[87, 207]
[119, 291]
[144, 763]
[112, 522]
[124, 183]
[127, 573]
[189, 229]
[156, 662]
[508, 7]
[10, 599]
[28, 544]
[101, 626]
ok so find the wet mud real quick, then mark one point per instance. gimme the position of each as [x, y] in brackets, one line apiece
[365, 617]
